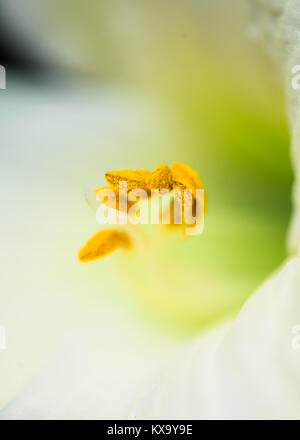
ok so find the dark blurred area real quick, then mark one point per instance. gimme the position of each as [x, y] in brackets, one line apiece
[14, 55]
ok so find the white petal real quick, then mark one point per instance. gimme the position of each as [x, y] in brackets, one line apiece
[277, 22]
[247, 371]
[257, 368]
[98, 370]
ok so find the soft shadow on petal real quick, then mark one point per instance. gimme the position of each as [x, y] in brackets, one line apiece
[257, 368]
[246, 370]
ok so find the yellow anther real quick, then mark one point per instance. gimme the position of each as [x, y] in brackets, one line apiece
[104, 243]
[135, 179]
[184, 177]
[178, 177]
[160, 178]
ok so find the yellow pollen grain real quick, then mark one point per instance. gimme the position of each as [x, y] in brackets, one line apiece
[160, 178]
[136, 179]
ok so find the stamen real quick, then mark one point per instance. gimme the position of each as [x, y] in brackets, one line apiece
[160, 178]
[179, 177]
[104, 243]
[136, 179]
